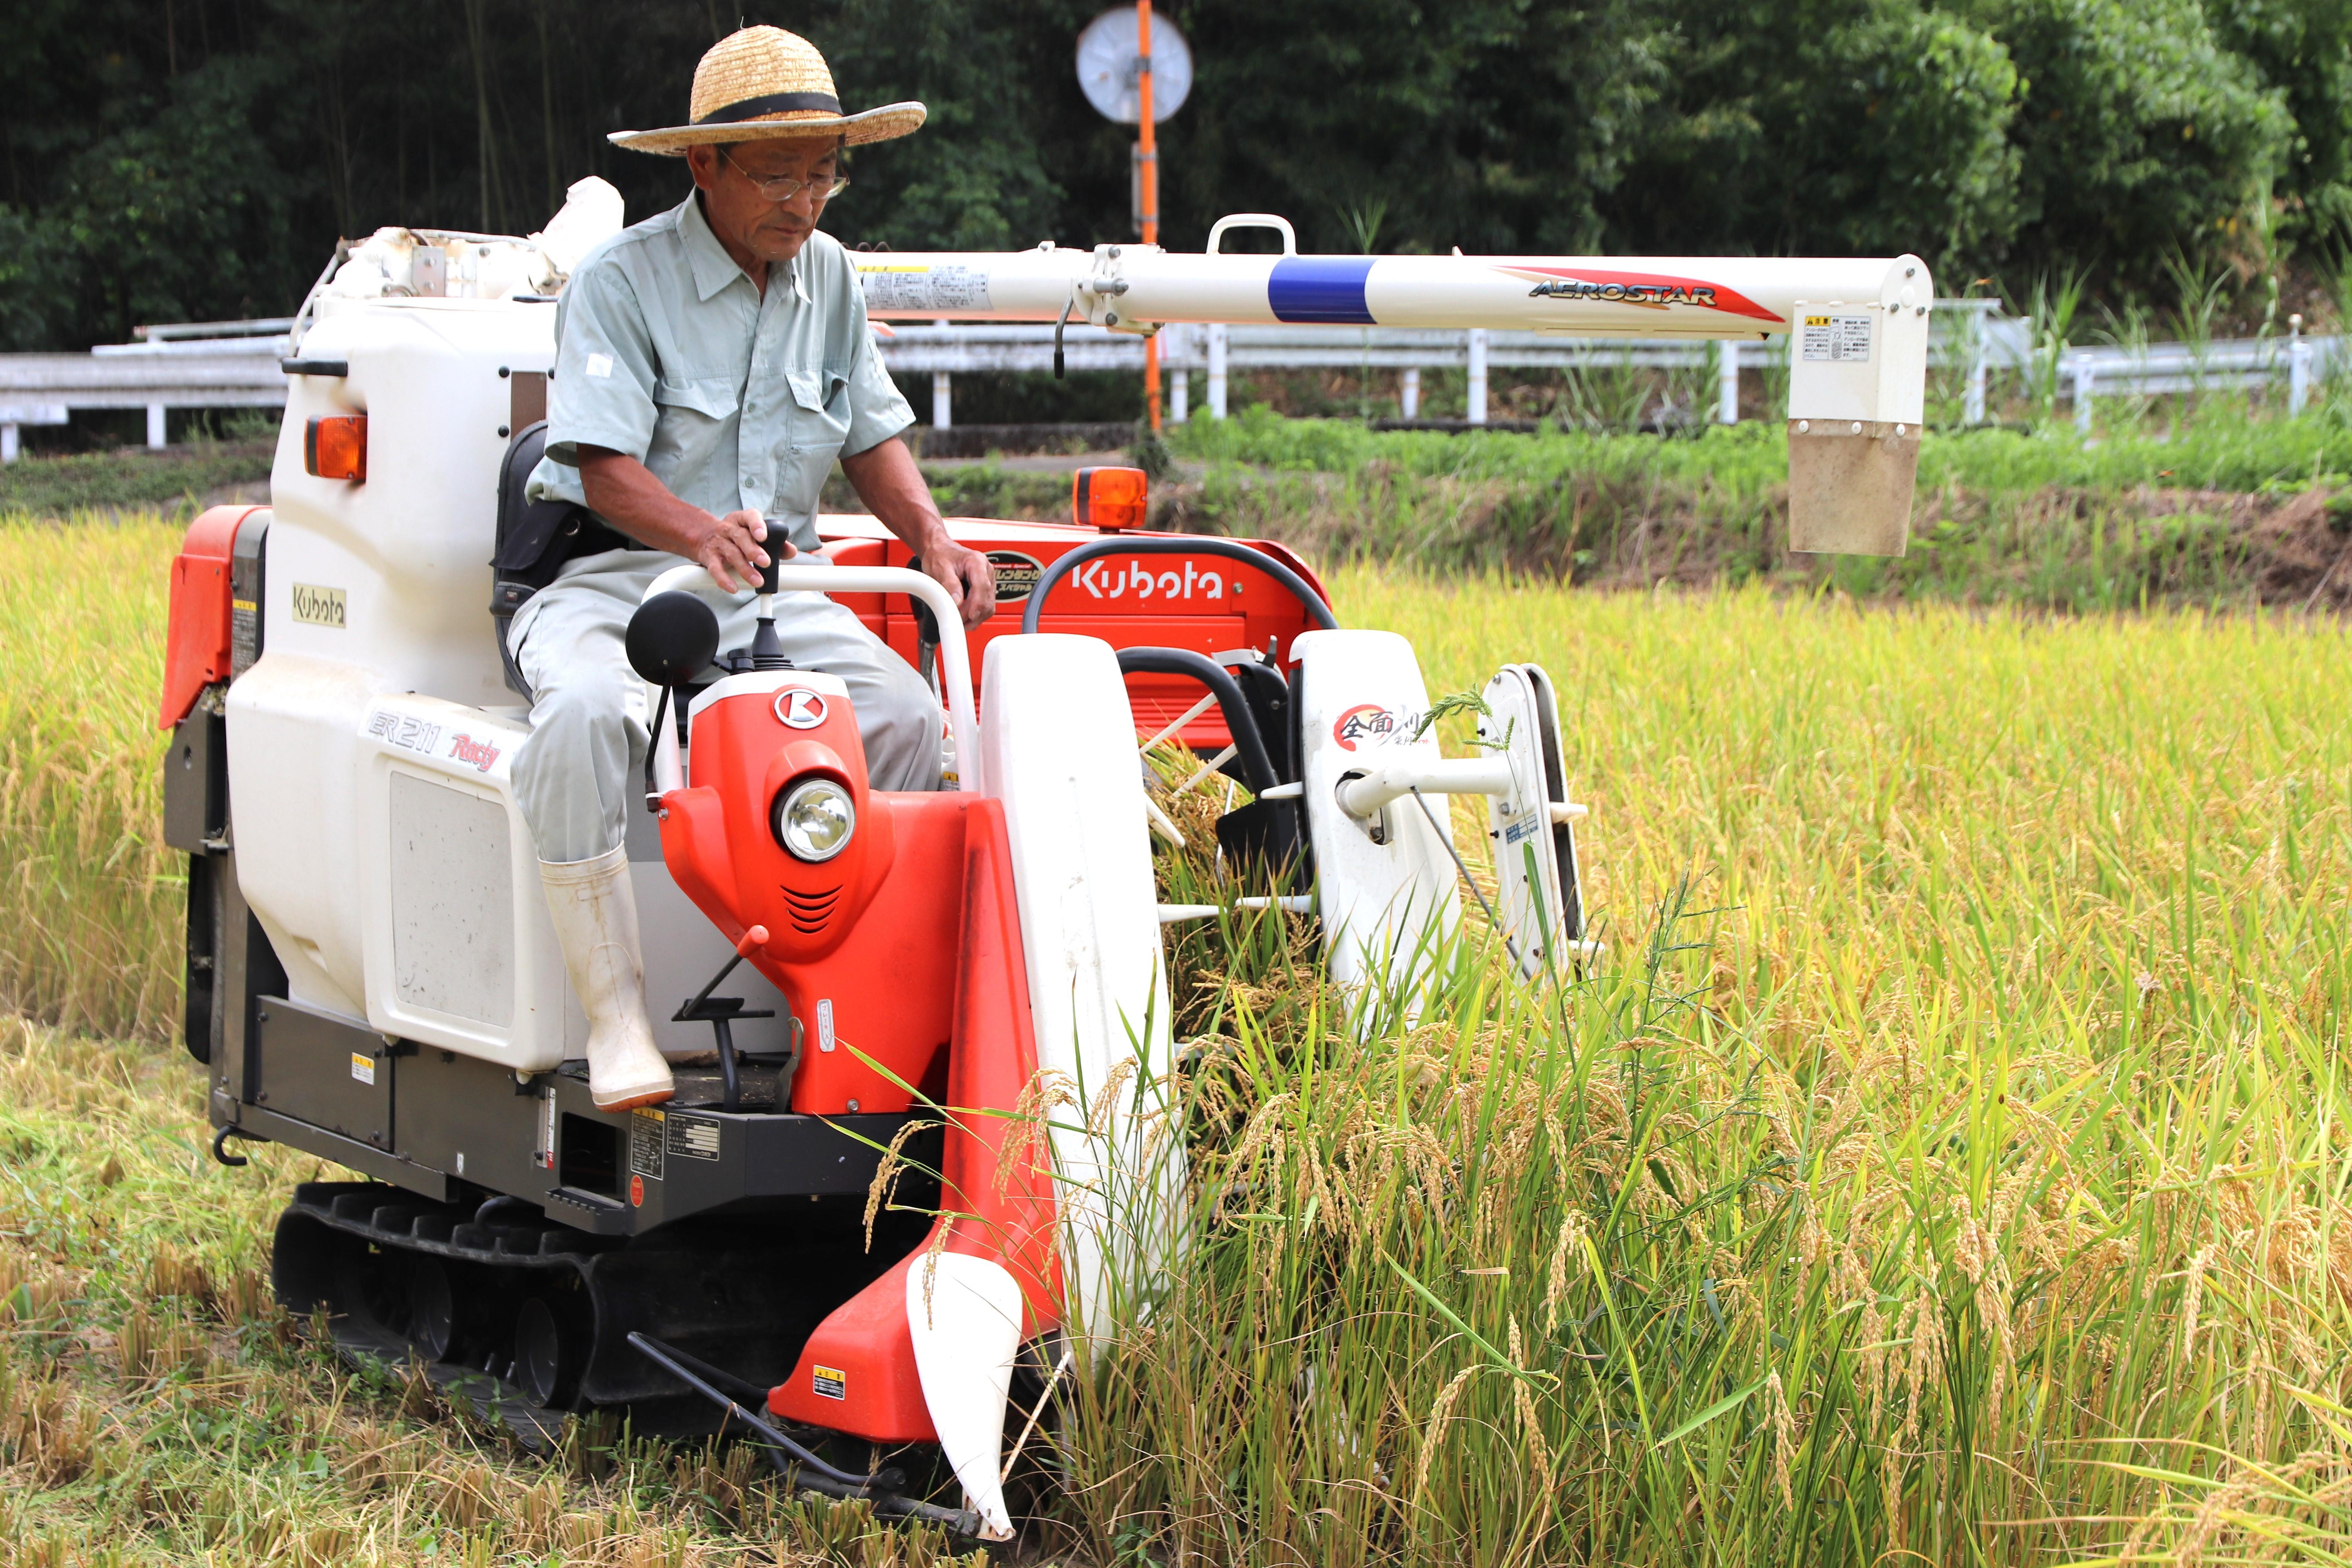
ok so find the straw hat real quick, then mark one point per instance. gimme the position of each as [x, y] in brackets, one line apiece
[764, 82]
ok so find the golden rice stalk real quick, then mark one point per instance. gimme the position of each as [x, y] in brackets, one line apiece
[1441, 1411]
[1572, 1237]
[1784, 1437]
[887, 1171]
[1530, 1424]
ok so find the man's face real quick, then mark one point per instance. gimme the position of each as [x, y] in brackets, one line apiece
[740, 215]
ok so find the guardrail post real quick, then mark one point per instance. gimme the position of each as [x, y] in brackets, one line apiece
[1180, 395]
[1409, 392]
[1726, 381]
[7, 443]
[2084, 377]
[1979, 352]
[942, 400]
[155, 425]
[1217, 371]
[2298, 367]
[1476, 410]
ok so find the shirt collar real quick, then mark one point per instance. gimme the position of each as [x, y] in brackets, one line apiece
[713, 267]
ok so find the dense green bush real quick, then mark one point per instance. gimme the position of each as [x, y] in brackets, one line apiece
[2140, 134]
[201, 162]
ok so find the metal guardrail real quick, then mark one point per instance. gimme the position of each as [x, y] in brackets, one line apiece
[166, 373]
[213, 364]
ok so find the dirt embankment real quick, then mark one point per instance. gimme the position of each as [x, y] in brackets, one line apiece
[2059, 547]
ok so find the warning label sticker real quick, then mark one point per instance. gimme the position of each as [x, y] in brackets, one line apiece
[693, 1138]
[647, 1140]
[1838, 339]
[830, 1381]
[363, 1069]
[944, 291]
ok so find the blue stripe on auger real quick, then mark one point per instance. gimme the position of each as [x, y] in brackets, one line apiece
[1322, 288]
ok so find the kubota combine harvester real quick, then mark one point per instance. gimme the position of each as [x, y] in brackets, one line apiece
[371, 976]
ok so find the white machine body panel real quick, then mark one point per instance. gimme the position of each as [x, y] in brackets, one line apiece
[294, 759]
[394, 574]
[1386, 886]
[1058, 742]
[454, 933]
[371, 745]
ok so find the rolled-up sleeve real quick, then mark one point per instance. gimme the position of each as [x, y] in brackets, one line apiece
[602, 395]
[878, 411]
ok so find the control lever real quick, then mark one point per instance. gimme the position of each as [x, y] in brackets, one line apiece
[927, 634]
[720, 1013]
[767, 650]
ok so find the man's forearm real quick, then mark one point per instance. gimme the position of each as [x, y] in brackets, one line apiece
[886, 479]
[625, 493]
[888, 482]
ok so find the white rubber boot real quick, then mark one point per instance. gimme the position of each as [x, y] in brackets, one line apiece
[596, 925]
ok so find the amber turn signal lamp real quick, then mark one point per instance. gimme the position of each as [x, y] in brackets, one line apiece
[335, 445]
[1110, 499]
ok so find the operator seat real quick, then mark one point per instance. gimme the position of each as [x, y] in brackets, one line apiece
[535, 537]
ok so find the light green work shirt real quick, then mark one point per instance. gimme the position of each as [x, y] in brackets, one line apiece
[666, 350]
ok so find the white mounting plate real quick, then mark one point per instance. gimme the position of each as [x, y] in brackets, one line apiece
[1389, 901]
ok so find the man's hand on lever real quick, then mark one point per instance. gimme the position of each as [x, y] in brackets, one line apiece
[625, 493]
[888, 482]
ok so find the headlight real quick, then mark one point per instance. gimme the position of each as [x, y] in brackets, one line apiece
[814, 819]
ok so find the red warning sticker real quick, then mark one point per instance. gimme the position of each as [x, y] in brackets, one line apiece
[636, 1192]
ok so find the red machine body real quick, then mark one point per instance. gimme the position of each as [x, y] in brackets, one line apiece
[905, 950]
[876, 993]
[196, 650]
[1207, 605]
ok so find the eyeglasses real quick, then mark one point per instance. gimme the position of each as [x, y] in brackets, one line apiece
[783, 187]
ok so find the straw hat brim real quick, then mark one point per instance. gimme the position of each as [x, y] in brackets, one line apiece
[881, 124]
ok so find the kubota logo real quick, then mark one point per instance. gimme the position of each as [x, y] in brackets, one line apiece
[797, 708]
[1365, 721]
[1106, 580]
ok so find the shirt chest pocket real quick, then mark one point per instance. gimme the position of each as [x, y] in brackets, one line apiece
[694, 418]
[816, 411]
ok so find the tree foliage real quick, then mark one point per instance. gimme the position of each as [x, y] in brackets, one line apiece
[195, 159]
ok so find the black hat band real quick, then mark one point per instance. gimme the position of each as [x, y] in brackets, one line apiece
[772, 103]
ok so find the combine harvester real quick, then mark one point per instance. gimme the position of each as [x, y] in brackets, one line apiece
[371, 976]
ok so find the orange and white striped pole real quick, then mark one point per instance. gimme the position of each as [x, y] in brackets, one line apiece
[1148, 155]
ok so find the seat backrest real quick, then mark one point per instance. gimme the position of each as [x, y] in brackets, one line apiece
[535, 537]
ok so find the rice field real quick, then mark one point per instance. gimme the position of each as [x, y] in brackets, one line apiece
[1946, 1164]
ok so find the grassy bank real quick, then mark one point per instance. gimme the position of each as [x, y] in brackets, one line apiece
[2224, 504]
[1952, 1173]
[2231, 508]
[177, 478]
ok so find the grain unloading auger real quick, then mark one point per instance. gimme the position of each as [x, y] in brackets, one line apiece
[1858, 328]
[373, 979]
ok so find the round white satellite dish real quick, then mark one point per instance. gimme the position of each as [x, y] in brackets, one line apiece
[1108, 58]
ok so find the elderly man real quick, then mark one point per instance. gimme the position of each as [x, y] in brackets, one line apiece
[712, 365]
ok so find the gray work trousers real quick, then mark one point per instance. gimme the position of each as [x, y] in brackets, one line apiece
[582, 769]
